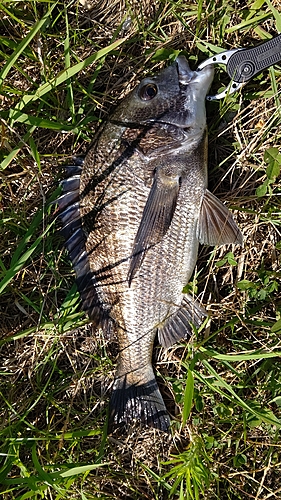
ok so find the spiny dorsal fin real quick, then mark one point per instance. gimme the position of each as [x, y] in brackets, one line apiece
[216, 225]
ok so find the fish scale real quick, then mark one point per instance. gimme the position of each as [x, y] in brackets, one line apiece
[133, 216]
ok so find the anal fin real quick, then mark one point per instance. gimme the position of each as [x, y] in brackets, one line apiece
[179, 325]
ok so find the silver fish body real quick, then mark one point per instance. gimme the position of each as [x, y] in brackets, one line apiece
[133, 217]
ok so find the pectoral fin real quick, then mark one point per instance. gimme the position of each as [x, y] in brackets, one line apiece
[156, 219]
[216, 225]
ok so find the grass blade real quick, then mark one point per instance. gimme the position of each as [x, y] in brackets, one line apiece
[18, 265]
[263, 416]
[63, 77]
[25, 42]
[188, 397]
[249, 22]
[245, 356]
[277, 15]
[81, 469]
[13, 154]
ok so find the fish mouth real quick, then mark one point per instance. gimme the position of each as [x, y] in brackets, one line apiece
[186, 76]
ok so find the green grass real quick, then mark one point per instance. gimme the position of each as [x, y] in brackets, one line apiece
[62, 68]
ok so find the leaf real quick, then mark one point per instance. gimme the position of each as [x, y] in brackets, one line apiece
[239, 460]
[231, 260]
[165, 54]
[246, 285]
[6, 162]
[221, 262]
[262, 190]
[272, 287]
[263, 413]
[276, 327]
[43, 475]
[17, 266]
[256, 6]
[275, 90]
[35, 153]
[245, 356]
[208, 48]
[276, 400]
[249, 22]
[253, 420]
[199, 403]
[33, 228]
[261, 295]
[273, 158]
[19, 116]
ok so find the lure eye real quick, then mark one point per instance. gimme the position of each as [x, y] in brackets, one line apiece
[148, 92]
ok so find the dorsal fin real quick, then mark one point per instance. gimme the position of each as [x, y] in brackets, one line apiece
[75, 243]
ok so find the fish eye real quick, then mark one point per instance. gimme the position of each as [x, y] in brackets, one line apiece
[148, 92]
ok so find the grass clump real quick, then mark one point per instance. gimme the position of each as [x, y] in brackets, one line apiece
[62, 67]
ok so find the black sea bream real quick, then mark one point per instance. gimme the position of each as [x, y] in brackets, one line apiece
[133, 215]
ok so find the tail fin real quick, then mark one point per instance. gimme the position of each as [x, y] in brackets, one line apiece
[143, 403]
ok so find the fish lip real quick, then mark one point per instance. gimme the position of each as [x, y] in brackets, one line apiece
[184, 72]
[186, 75]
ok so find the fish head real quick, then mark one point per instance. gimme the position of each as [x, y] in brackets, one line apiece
[174, 97]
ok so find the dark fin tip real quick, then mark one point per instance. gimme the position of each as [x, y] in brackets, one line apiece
[142, 403]
[179, 325]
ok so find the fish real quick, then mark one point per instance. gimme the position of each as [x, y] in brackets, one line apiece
[133, 214]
